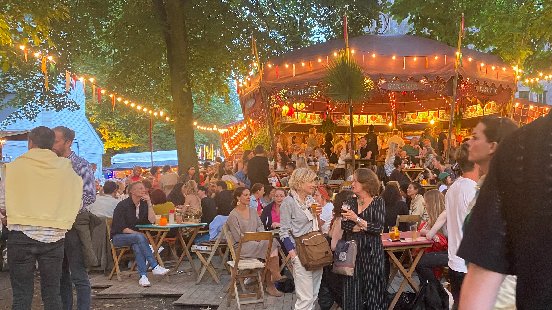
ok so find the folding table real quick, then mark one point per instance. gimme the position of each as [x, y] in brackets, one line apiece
[184, 229]
[404, 246]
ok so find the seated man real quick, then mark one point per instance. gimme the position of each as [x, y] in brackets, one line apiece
[223, 198]
[105, 204]
[136, 209]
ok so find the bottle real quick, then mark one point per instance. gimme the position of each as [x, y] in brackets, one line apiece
[171, 217]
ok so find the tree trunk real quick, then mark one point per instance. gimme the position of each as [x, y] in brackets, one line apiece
[173, 20]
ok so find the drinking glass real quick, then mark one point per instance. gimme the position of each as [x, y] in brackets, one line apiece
[414, 231]
[314, 208]
[395, 234]
[178, 218]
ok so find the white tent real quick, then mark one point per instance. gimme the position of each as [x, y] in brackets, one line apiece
[143, 159]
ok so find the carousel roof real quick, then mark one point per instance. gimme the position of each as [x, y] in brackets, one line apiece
[401, 57]
[413, 78]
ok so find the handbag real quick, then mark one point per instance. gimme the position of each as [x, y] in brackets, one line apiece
[345, 257]
[313, 248]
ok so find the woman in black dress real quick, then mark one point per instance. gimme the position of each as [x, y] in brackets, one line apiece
[364, 222]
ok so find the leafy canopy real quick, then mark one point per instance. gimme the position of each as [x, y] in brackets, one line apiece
[516, 30]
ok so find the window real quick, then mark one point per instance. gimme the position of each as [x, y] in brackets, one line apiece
[541, 98]
[524, 94]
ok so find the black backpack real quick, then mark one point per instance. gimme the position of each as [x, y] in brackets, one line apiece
[432, 296]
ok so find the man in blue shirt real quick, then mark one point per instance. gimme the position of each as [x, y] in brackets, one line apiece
[74, 269]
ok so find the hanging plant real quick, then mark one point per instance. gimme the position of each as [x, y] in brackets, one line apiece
[328, 126]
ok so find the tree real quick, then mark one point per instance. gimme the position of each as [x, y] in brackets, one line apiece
[515, 30]
[172, 54]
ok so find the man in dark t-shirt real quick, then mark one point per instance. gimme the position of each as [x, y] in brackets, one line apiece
[372, 143]
[508, 232]
[257, 167]
[223, 199]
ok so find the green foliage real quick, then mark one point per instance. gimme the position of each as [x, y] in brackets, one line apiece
[27, 22]
[27, 93]
[328, 126]
[216, 112]
[517, 31]
[259, 137]
[281, 26]
[346, 80]
[122, 44]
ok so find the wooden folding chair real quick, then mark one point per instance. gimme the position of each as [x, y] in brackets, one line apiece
[210, 249]
[116, 252]
[410, 219]
[247, 268]
[347, 185]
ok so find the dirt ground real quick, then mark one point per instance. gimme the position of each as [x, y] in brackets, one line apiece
[97, 303]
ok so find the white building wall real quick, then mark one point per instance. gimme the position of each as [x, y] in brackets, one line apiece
[87, 143]
[532, 96]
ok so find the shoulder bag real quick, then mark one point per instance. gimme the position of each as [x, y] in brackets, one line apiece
[313, 248]
[345, 257]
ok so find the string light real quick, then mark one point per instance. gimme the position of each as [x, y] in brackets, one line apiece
[82, 78]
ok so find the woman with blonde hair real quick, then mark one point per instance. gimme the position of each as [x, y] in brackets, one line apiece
[363, 218]
[297, 220]
[192, 202]
[390, 158]
[437, 255]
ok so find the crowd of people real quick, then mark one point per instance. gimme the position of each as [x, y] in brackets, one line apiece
[255, 193]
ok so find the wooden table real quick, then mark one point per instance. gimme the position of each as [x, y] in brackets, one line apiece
[358, 162]
[405, 247]
[181, 230]
[412, 173]
[429, 187]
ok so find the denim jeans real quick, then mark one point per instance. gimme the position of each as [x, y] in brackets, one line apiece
[140, 247]
[428, 262]
[74, 273]
[23, 253]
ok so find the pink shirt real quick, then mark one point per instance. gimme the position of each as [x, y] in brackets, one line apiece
[275, 215]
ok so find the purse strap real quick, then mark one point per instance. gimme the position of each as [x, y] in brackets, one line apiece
[314, 220]
[306, 210]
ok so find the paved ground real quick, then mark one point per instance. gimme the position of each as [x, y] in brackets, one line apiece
[164, 303]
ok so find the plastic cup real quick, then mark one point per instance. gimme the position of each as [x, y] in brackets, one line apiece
[157, 219]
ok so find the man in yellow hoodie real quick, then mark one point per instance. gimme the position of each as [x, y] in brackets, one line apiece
[42, 195]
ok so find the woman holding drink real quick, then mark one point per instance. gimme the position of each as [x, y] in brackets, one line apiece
[363, 221]
[300, 215]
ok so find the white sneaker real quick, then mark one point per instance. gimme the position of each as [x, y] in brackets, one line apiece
[160, 271]
[144, 282]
